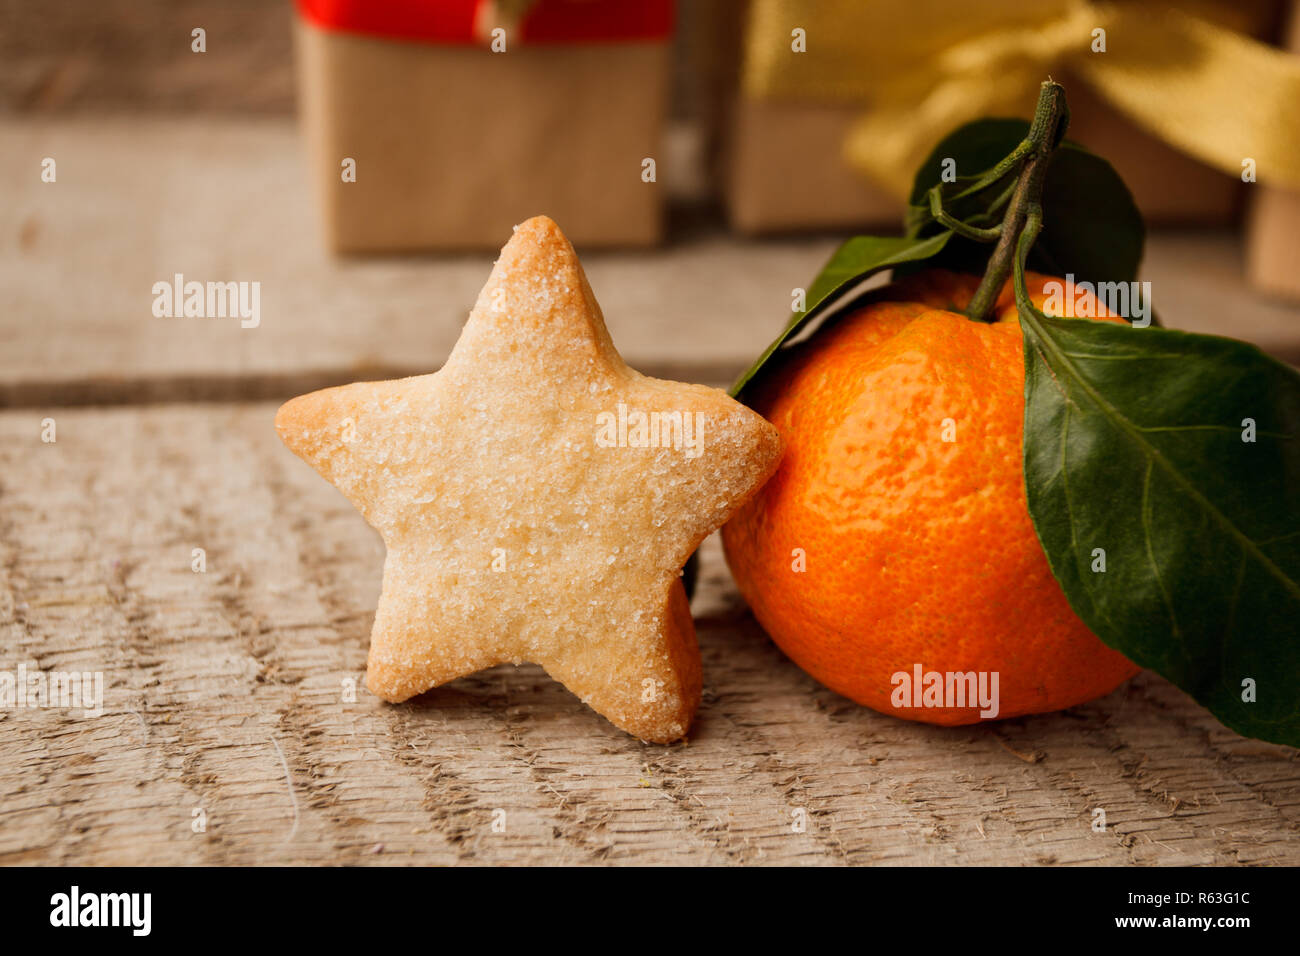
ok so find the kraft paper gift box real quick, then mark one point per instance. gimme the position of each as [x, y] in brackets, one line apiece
[781, 158]
[441, 124]
[1273, 221]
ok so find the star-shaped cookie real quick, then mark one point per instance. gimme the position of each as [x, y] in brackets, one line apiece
[538, 498]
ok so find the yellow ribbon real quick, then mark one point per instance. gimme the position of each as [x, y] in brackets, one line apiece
[921, 68]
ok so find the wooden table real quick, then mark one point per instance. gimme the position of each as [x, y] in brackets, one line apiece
[228, 735]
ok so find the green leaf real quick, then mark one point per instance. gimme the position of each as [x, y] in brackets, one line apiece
[1134, 444]
[856, 260]
[1092, 227]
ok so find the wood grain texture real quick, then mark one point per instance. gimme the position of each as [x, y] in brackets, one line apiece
[138, 201]
[84, 56]
[212, 678]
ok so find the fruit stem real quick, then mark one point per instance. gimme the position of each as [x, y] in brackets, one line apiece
[1051, 117]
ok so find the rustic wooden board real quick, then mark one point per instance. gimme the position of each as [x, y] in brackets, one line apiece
[138, 201]
[223, 693]
[137, 55]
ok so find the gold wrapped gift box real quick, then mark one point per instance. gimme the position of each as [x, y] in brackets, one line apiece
[823, 139]
[784, 171]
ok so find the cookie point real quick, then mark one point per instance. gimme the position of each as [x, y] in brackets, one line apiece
[538, 226]
[385, 684]
[539, 234]
[288, 418]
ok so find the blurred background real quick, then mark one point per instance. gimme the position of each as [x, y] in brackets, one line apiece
[362, 162]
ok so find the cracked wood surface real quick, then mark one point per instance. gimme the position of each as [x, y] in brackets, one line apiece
[224, 693]
[224, 690]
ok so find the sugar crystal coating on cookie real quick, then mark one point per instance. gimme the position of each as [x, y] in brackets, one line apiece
[538, 498]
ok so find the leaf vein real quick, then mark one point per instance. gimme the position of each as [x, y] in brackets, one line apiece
[1151, 555]
[1153, 455]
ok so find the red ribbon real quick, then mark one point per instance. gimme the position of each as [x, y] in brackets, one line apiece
[452, 21]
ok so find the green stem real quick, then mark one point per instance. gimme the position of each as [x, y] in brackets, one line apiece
[943, 218]
[1051, 117]
[1004, 166]
[1033, 225]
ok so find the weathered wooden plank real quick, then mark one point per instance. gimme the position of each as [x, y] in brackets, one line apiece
[138, 201]
[212, 677]
[137, 55]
